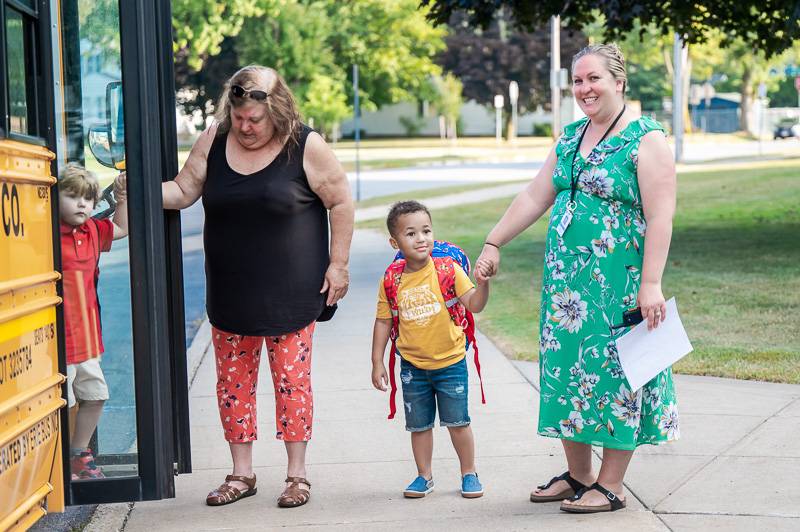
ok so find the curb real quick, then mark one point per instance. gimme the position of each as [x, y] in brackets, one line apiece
[114, 517]
[109, 517]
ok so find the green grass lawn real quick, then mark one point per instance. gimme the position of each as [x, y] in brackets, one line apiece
[734, 269]
[420, 195]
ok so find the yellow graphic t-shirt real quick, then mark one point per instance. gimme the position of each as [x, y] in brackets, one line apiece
[428, 337]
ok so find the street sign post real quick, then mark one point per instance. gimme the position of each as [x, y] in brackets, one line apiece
[513, 97]
[499, 101]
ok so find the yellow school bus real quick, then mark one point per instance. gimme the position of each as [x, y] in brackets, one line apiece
[68, 70]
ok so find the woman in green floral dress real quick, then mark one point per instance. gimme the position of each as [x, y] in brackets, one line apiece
[610, 181]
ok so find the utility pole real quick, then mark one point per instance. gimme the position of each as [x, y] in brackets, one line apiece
[677, 96]
[555, 68]
[357, 113]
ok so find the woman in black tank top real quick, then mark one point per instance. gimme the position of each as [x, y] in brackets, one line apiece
[269, 185]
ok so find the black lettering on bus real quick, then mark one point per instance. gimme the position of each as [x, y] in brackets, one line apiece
[5, 198]
[26, 443]
[10, 211]
[15, 364]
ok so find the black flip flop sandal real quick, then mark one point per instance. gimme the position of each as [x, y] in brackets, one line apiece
[574, 487]
[614, 503]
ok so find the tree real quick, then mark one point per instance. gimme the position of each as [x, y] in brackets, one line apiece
[741, 69]
[204, 53]
[198, 89]
[784, 94]
[487, 60]
[326, 102]
[393, 44]
[448, 101]
[646, 54]
[200, 26]
[769, 26]
[314, 43]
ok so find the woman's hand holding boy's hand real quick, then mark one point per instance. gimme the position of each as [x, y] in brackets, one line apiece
[379, 376]
[120, 187]
[483, 271]
[487, 264]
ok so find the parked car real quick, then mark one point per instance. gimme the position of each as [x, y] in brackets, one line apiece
[786, 128]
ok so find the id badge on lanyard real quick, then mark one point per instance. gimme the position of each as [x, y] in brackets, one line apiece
[566, 219]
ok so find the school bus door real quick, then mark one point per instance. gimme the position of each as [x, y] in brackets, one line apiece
[53, 57]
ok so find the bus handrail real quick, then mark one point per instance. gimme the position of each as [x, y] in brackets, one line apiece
[30, 308]
[26, 282]
[26, 506]
[25, 177]
[40, 388]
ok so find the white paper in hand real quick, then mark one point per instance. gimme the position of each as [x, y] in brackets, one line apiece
[644, 354]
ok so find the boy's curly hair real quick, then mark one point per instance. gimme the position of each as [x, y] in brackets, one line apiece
[403, 207]
[77, 180]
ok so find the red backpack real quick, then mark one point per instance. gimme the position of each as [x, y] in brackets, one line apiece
[445, 257]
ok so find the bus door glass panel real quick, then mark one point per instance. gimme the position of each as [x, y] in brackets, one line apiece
[18, 44]
[101, 377]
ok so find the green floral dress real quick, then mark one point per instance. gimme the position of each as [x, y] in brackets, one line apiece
[591, 276]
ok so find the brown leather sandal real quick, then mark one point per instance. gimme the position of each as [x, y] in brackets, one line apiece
[294, 495]
[227, 494]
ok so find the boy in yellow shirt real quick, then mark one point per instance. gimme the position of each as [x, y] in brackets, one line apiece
[433, 366]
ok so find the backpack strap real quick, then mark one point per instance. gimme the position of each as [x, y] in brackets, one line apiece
[446, 273]
[91, 225]
[391, 285]
[94, 231]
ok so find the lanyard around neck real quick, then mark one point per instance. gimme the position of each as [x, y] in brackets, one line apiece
[572, 178]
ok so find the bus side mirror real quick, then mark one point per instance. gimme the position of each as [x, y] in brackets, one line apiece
[107, 142]
[100, 146]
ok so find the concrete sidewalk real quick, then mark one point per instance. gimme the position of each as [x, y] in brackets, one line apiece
[736, 467]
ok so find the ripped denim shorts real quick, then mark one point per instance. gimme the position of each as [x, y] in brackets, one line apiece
[424, 388]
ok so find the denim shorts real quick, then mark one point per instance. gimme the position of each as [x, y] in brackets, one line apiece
[423, 389]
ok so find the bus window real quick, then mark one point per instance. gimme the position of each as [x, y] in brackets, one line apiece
[97, 303]
[19, 53]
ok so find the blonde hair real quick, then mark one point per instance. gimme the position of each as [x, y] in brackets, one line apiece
[77, 180]
[280, 102]
[613, 58]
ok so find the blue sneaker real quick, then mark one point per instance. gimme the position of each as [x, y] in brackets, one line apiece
[419, 488]
[471, 487]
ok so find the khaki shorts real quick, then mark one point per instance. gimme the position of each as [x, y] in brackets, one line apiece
[86, 382]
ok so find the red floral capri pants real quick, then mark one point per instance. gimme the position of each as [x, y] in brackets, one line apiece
[237, 379]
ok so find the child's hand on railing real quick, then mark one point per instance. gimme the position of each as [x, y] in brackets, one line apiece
[120, 187]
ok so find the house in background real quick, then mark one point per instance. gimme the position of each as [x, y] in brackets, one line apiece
[717, 114]
[96, 74]
[407, 119]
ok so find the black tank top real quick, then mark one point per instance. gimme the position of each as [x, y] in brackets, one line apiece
[266, 244]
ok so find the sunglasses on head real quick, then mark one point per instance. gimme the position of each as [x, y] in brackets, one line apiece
[254, 94]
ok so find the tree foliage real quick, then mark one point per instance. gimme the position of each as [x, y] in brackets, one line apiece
[770, 26]
[486, 61]
[448, 100]
[200, 26]
[314, 45]
[645, 50]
